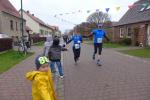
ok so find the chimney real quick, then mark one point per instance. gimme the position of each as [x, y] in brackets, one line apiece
[28, 11]
[32, 14]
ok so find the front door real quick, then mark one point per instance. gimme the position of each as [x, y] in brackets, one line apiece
[148, 35]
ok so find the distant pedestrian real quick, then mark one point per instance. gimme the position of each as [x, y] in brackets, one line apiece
[65, 38]
[54, 56]
[47, 44]
[41, 78]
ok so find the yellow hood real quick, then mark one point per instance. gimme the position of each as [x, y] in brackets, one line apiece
[30, 75]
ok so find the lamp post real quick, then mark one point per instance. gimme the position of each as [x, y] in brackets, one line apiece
[22, 29]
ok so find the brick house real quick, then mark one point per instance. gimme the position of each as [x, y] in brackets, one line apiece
[135, 24]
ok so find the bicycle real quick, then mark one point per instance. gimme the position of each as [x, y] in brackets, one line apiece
[22, 47]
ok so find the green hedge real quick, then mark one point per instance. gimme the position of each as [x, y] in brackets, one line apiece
[125, 41]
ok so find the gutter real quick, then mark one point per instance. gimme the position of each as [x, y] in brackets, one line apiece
[132, 23]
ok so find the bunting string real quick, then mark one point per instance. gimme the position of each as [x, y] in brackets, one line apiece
[117, 8]
[107, 9]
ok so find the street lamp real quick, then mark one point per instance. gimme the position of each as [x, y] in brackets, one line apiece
[22, 30]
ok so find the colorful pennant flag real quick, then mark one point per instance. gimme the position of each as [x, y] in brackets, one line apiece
[130, 6]
[107, 9]
[97, 10]
[118, 8]
[88, 11]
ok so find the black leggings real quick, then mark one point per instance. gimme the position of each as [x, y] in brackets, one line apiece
[99, 47]
[76, 52]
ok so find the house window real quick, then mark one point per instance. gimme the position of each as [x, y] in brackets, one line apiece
[142, 9]
[46, 32]
[41, 31]
[121, 32]
[129, 32]
[148, 7]
[11, 25]
[16, 26]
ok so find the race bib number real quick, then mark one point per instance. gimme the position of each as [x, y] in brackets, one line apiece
[77, 46]
[99, 40]
[79, 41]
[43, 60]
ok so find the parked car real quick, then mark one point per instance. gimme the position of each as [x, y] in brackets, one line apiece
[3, 35]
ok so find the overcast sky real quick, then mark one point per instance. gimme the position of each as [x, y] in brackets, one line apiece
[47, 9]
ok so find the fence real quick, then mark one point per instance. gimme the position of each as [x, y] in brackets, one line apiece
[38, 39]
[5, 44]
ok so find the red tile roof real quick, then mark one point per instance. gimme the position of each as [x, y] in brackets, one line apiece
[7, 7]
[52, 27]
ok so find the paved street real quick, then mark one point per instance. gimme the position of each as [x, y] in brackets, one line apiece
[120, 77]
[13, 85]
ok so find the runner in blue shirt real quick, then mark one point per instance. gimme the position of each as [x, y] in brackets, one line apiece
[77, 39]
[98, 35]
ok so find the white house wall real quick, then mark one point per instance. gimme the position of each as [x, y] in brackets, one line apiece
[31, 23]
[5, 24]
[46, 29]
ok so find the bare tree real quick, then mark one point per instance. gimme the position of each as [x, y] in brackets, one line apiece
[98, 18]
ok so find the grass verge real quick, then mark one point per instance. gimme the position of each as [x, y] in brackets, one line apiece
[10, 58]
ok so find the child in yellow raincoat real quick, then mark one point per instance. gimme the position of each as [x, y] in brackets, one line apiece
[42, 84]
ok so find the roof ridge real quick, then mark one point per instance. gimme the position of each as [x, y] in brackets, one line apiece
[7, 7]
[135, 14]
[38, 20]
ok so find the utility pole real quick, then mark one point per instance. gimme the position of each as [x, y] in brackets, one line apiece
[22, 29]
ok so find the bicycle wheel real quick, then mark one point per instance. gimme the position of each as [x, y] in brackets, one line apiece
[25, 50]
[20, 48]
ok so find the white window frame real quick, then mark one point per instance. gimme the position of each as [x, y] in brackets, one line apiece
[148, 7]
[121, 32]
[148, 35]
[143, 8]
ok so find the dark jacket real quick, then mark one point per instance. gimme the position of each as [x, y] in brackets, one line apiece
[54, 53]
